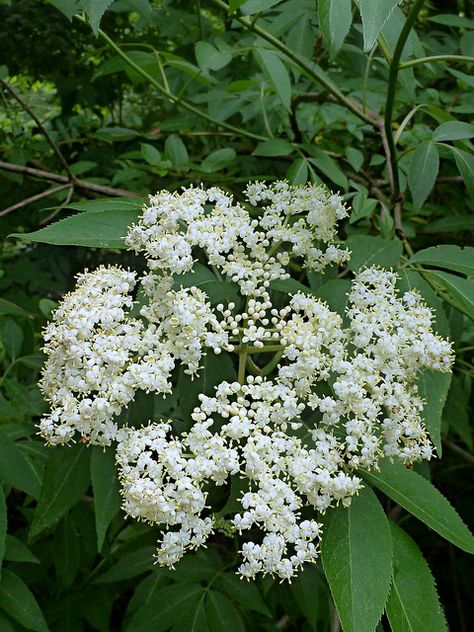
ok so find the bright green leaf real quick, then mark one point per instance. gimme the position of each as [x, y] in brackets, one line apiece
[413, 603]
[298, 172]
[423, 500]
[219, 159]
[101, 229]
[357, 557]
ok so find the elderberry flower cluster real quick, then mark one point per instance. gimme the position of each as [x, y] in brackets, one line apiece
[338, 392]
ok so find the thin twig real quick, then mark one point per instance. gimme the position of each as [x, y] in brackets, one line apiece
[55, 177]
[52, 215]
[43, 129]
[33, 198]
[467, 456]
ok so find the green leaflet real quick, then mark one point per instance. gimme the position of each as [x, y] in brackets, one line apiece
[423, 500]
[413, 603]
[356, 551]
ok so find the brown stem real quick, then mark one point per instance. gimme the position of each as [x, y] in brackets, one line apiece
[34, 198]
[52, 215]
[54, 177]
[43, 129]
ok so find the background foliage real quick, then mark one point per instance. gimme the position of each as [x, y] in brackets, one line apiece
[372, 99]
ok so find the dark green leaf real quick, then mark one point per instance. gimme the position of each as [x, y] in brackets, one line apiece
[67, 552]
[17, 600]
[450, 224]
[306, 588]
[244, 593]
[176, 151]
[16, 551]
[16, 469]
[335, 19]
[465, 164]
[368, 251]
[106, 204]
[423, 500]
[298, 172]
[274, 147]
[150, 154]
[357, 556]
[219, 159]
[460, 289]
[423, 170]
[248, 7]
[165, 608]
[130, 565]
[449, 257]
[3, 525]
[100, 229]
[66, 480]
[221, 613]
[413, 603]
[106, 490]
[335, 293]
[326, 165]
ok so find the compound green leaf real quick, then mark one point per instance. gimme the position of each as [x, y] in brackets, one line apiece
[16, 469]
[357, 557]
